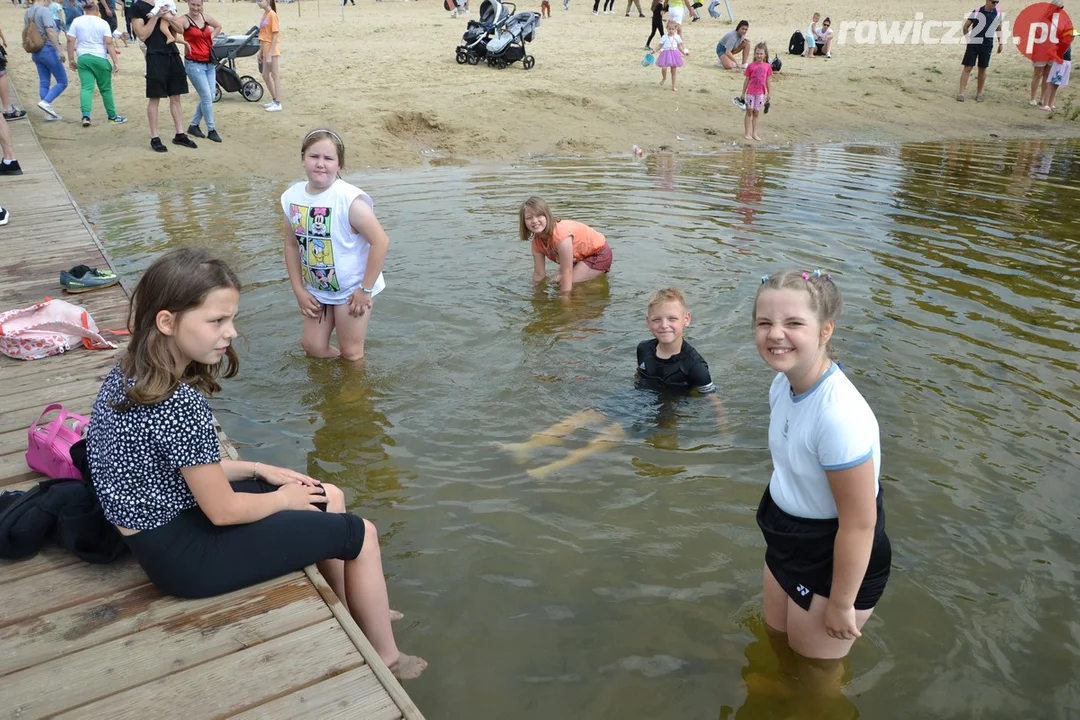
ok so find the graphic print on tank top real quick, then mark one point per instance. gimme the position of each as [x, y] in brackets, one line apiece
[311, 225]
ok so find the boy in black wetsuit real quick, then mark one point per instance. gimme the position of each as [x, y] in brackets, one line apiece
[666, 364]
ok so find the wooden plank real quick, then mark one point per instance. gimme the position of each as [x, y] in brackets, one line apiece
[51, 557]
[162, 650]
[66, 631]
[14, 471]
[39, 594]
[354, 694]
[57, 366]
[356, 635]
[70, 394]
[53, 375]
[238, 681]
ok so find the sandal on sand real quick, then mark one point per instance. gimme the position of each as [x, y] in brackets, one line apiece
[408, 667]
[978, 98]
[1033, 103]
[959, 98]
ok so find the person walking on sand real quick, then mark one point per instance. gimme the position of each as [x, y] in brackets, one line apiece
[90, 39]
[165, 76]
[982, 27]
[671, 54]
[658, 10]
[735, 41]
[270, 52]
[638, 4]
[48, 60]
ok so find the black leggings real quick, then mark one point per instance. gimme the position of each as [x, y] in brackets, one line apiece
[657, 27]
[608, 5]
[190, 557]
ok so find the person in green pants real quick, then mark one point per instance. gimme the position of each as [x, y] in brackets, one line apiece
[90, 39]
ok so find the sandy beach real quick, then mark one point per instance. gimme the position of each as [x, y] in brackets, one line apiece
[385, 77]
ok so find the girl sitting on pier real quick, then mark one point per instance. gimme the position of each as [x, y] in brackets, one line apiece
[200, 525]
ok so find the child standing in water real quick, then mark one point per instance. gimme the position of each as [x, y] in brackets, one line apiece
[671, 54]
[827, 555]
[667, 365]
[335, 249]
[755, 93]
[200, 525]
[582, 253]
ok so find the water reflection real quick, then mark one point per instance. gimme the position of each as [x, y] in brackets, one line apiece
[628, 585]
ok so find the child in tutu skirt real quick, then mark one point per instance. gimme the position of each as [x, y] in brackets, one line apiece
[671, 54]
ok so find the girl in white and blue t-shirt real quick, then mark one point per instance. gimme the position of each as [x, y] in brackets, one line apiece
[334, 250]
[827, 557]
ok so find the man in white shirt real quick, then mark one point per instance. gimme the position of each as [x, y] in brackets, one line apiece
[90, 39]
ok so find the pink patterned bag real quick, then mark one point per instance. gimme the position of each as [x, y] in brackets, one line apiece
[48, 328]
[48, 448]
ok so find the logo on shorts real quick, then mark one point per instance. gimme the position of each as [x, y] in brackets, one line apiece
[802, 590]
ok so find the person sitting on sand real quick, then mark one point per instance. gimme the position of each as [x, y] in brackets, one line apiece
[823, 38]
[666, 365]
[734, 42]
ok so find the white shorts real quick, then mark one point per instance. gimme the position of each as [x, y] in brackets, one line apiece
[676, 14]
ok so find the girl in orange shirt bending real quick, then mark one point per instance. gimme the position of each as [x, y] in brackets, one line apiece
[582, 253]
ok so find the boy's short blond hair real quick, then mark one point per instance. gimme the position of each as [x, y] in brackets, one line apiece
[667, 295]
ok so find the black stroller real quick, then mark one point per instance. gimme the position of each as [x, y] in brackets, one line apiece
[224, 52]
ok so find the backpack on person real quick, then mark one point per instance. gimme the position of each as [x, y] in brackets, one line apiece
[797, 44]
[32, 39]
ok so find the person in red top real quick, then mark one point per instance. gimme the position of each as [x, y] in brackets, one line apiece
[755, 94]
[582, 253]
[199, 32]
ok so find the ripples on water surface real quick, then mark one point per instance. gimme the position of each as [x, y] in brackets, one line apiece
[629, 585]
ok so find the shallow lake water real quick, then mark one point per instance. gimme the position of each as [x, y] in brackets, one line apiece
[629, 585]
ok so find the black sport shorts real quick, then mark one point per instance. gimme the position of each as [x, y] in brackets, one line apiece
[190, 557]
[165, 75]
[799, 553]
[978, 54]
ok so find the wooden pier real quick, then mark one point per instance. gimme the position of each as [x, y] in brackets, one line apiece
[98, 641]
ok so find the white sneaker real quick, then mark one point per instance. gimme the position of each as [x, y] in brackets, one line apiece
[274, 107]
[828, 55]
[48, 108]
[266, 105]
[52, 118]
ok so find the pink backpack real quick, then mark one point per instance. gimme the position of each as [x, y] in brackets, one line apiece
[48, 328]
[48, 448]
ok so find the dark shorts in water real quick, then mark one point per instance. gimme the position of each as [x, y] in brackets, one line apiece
[799, 553]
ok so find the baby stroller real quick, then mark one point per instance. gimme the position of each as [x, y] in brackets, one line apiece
[224, 52]
[473, 47]
[508, 44]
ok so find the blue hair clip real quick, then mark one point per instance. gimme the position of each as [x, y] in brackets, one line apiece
[817, 273]
[764, 279]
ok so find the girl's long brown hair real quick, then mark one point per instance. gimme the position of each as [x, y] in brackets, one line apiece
[540, 207]
[177, 281]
